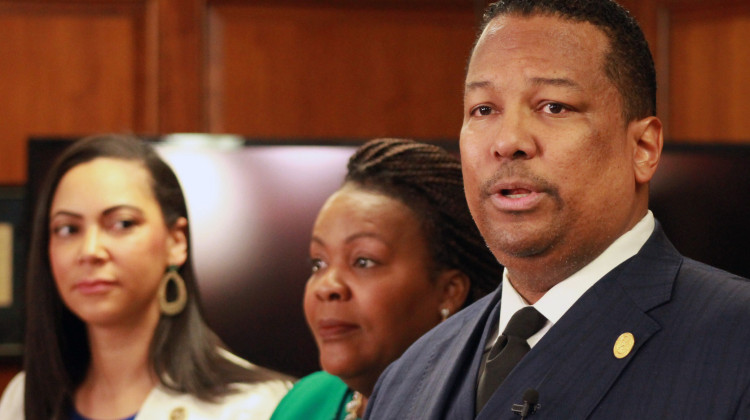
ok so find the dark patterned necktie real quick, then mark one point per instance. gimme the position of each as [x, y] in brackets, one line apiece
[507, 351]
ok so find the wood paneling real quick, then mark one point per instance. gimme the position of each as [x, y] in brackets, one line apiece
[337, 71]
[709, 76]
[181, 62]
[701, 61]
[298, 69]
[70, 69]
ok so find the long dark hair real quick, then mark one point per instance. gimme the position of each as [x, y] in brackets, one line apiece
[428, 179]
[184, 352]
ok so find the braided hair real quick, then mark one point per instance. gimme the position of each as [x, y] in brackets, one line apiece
[428, 180]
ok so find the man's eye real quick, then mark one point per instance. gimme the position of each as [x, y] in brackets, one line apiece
[482, 110]
[555, 108]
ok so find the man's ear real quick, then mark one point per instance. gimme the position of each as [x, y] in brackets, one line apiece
[648, 136]
[455, 287]
[177, 242]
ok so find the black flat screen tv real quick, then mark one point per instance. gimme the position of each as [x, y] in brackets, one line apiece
[252, 205]
[701, 196]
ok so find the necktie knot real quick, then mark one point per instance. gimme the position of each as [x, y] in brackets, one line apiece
[524, 323]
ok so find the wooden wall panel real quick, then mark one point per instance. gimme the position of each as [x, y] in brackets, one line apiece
[181, 62]
[701, 61]
[709, 76]
[71, 69]
[308, 72]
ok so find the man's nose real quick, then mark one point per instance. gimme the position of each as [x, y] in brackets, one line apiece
[513, 138]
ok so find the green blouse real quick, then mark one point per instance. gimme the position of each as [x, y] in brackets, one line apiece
[318, 396]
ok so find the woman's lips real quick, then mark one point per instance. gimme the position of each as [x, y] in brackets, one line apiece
[332, 329]
[94, 287]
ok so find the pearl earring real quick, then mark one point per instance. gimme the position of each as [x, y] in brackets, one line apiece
[445, 313]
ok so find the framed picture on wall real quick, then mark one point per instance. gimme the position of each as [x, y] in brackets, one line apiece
[12, 241]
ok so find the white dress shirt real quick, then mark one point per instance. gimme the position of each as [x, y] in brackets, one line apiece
[563, 295]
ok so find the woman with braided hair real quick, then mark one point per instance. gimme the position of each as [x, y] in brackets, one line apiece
[392, 252]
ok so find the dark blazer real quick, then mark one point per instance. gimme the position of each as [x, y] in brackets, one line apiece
[690, 360]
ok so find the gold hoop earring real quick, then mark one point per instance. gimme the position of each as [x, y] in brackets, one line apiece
[178, 304]
[445, 313]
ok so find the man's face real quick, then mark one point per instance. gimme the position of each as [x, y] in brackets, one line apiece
[547, 158]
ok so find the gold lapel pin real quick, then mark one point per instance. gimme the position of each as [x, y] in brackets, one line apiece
[178, 414]
[623, 345]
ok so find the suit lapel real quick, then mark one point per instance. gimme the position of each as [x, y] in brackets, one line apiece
[574, 366]
[452, 372]
[465, 398]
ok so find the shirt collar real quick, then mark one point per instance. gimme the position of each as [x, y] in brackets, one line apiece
[563, 295]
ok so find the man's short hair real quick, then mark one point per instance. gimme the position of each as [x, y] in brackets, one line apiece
[628, 63]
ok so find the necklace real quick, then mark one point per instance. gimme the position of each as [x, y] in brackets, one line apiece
[353, 406]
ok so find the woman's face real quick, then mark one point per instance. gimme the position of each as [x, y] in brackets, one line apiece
[108, 244]
[370, 294]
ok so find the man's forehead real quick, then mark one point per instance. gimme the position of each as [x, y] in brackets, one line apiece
[513, 30]
[526, 43]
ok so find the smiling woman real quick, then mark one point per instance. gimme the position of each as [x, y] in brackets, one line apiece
[115, 328]
[392, 252]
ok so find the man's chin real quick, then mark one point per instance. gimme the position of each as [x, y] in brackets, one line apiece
[507, 246]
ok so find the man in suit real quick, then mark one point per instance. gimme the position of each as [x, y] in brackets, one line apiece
[558, 144]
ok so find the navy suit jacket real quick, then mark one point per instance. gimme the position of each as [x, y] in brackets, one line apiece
[691, 358]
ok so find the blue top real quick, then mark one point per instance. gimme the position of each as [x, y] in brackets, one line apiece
[75, 415]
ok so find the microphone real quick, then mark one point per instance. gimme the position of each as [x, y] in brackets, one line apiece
[530, 400]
